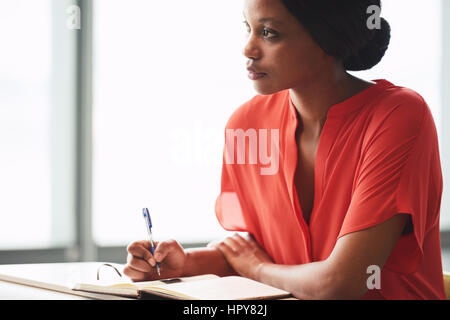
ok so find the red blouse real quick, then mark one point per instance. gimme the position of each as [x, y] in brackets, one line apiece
[377, 156]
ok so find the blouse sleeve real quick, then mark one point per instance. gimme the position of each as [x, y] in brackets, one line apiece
[228, 208]
[399, 173]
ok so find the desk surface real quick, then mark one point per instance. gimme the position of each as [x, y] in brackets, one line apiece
[51, 280]
[15, 291]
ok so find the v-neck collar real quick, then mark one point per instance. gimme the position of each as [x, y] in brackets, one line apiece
[327, 136]
[351, 104]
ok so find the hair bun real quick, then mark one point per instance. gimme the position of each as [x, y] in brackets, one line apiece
[372, 52]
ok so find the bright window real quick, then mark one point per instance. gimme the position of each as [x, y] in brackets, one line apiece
[167, 76]
[25, 160]
[37, 125]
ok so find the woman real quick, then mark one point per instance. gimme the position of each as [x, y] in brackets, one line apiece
[352, 210]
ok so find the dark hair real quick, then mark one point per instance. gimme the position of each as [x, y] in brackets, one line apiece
[340, 29]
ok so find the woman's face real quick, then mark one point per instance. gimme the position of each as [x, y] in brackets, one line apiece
[278, 46]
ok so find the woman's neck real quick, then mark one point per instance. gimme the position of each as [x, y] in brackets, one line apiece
[313, 100]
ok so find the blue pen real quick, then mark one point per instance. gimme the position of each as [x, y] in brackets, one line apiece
[148, 224]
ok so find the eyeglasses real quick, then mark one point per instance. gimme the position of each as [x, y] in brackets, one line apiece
[107, 265]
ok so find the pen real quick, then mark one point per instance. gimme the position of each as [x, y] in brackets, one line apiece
[148, 224]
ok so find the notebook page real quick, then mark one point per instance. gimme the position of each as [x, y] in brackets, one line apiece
[146, 284]
[226, 288]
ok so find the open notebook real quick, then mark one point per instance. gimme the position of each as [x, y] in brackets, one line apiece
[203, 287]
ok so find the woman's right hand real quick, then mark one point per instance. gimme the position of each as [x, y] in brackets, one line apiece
[141, 263]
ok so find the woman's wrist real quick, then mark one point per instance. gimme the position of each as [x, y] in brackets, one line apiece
[206, 260]
[187, 264]
[259, 272]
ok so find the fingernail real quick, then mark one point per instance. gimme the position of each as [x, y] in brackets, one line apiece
[157, 256]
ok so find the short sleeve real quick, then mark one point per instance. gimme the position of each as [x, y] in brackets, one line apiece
[399, 172]
[228, 208]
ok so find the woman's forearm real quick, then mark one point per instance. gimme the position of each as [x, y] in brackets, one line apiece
[310, 281]
[206, 260]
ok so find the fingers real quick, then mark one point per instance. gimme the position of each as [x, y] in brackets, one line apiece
[246, 240]
[233, 244]
[138, 264]
[140, 261]
[225, 249]
[163, 249]
[141, 250]
[134, 274]
[236, 243]
[230, 245]
[250, 240]
[213, 244]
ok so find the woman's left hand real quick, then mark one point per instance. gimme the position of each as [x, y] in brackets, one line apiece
[243, 254]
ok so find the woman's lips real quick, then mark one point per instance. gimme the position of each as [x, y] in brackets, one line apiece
[253, 75]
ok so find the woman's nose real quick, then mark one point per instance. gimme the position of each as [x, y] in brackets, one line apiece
[251, 49]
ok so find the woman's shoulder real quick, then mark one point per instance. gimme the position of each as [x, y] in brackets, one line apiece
[257, 111]
[398, 116]
[399, 104]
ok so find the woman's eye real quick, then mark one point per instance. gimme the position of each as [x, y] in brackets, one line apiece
[247, 28]
[267, 32]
